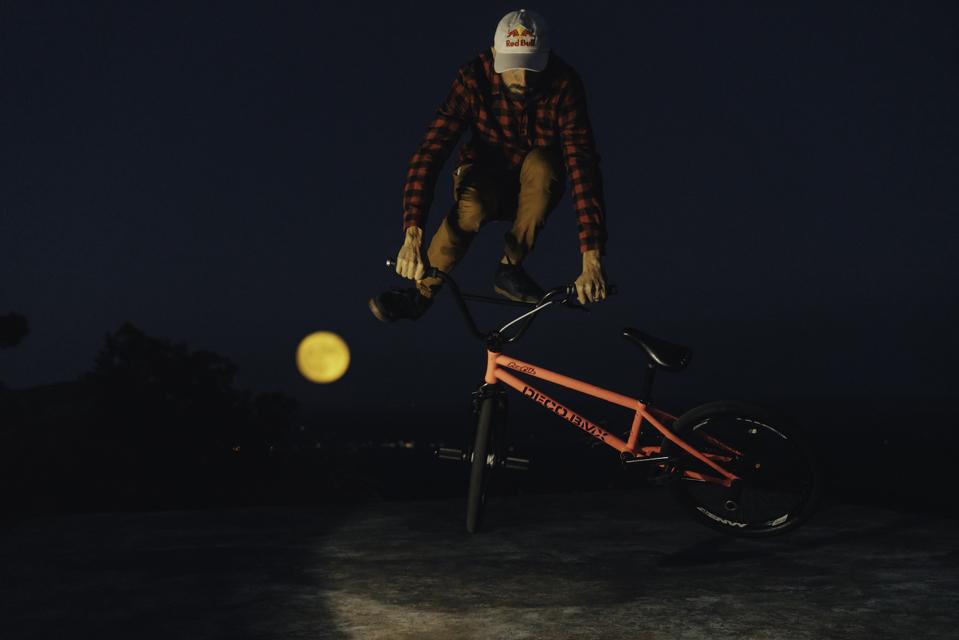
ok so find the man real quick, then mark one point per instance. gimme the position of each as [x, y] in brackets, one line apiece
[526, 110]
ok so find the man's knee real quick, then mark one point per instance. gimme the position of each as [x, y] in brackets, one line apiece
[541, 169]
[472, 206]
[469, 213]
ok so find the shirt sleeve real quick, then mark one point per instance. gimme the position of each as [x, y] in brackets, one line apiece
[582, 167]
[441, 136]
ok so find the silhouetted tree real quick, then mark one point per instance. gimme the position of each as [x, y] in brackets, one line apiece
[175, 412]
[154, 423]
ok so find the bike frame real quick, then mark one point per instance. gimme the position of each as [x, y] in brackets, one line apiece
[499, 367]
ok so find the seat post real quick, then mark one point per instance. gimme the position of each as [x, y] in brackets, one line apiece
[648, 384]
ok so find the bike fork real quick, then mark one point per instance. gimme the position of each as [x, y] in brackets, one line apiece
[497, 456]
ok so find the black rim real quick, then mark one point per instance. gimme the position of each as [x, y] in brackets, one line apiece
[779, 477]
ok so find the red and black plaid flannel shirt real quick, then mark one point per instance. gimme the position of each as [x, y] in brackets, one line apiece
[504, 132]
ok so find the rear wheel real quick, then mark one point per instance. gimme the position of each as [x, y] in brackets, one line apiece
[780, 479]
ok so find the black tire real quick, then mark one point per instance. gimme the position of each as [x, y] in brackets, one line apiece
[781, 479]
[479, 466]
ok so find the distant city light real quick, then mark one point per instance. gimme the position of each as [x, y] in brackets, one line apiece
[322, 357]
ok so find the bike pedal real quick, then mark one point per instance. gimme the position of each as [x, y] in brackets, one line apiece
[447, 453]
[519, 464]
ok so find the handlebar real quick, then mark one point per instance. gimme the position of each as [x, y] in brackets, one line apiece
[493, 339]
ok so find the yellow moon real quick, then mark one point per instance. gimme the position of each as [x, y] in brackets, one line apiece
[322, 357]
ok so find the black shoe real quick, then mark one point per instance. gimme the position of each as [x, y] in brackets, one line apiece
[399, 304]
[514, 283]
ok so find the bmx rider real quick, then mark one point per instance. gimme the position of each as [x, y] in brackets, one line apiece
[526, 109]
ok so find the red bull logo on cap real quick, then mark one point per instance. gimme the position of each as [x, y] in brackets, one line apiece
[521, 37]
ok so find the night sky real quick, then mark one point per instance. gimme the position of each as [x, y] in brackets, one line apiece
[781, 182]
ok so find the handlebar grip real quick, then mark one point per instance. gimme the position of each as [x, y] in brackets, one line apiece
[611, 289]
[431, 272]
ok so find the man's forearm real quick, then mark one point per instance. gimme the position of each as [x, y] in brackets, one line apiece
[438, 142]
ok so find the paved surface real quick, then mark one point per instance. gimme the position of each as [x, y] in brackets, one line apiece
[589, 565]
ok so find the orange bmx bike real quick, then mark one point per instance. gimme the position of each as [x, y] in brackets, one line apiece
[736, 467]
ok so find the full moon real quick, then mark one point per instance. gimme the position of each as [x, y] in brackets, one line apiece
[322, 357]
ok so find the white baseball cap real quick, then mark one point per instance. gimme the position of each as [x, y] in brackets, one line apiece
[521, 42]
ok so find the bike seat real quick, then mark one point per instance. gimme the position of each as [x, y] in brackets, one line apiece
[665, 355]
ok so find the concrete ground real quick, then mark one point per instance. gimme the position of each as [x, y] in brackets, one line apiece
[582, 565]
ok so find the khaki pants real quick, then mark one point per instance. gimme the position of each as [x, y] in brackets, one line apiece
[525, 196]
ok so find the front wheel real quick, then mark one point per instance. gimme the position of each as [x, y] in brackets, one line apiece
[780, 478]
[480, 466]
